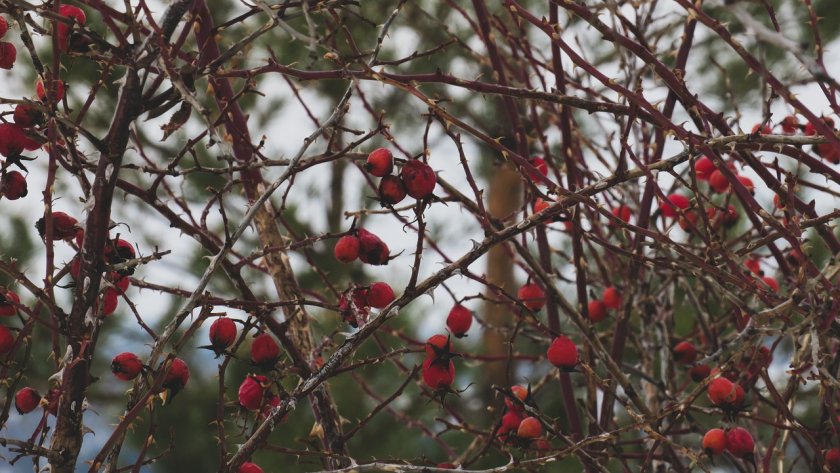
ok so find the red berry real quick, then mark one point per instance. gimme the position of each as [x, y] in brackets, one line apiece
[347, 249]
[540, 205]
[529, 428]
[419, 179]
[828, 152]
[379, 295]
[753, 264]
[391, 190]
[4, 26]
[764, 130]
[459, 320]
[718, 182]
[438, 375]
[438, 346]
[563, 353]
[532, 296]
[8, 55]
[511, 420]
[669, 205]
[685, 353]
[252, 392]
[521, 393]
[28, 116]
[120, 282]
[64, 226]
[372, 250]
[722, 392]
[13, 185]
[811, 129]
[699, 372]
[714, 442]
[739, 442]
[27, 400]
[177, 377]
[703, 168]
[14, 140]
[73, 12]
[126, 366]
[222, 334]
[110, 301]
[790, 125]
[58, 90]
[771, 282]
[747, 183]
[542, 168]
[612, 298]
[8, 303]
[249, 467]
[597, 310]
[265, 351]
[622, 212]
[7, 340]
[380, 162]
[832, 459]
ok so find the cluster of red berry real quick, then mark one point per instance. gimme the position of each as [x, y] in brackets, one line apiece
[416, 178]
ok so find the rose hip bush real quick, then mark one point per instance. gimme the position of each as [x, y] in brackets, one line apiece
[419, 236]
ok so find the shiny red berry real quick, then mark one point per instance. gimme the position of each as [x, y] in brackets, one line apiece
[563, 353]
[252, 391]
[721, 392]
[126, 366]
[718, 182]
[222, 334]
[110, 301]
[27, 400]
[380, 162]
[459, 320]
[4, 26]
[438, 375]
[14, 140]
[714, 442]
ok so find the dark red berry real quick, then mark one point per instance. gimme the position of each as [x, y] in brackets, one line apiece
[542, 169]
[8, 55]
[9, 300]
[126, 366]
[597, 310]
[28, 116]
[64, 226]
[622, 212]
[58, 90]
[4, 26]
[372, 250]
[685, 353]
[222, 334]
[13, 185]
[699, 372]
[740, 443]
[419, 179]
[7, 340]
[391, 190]
[14, 140]
[438, 375]
[176, 379]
